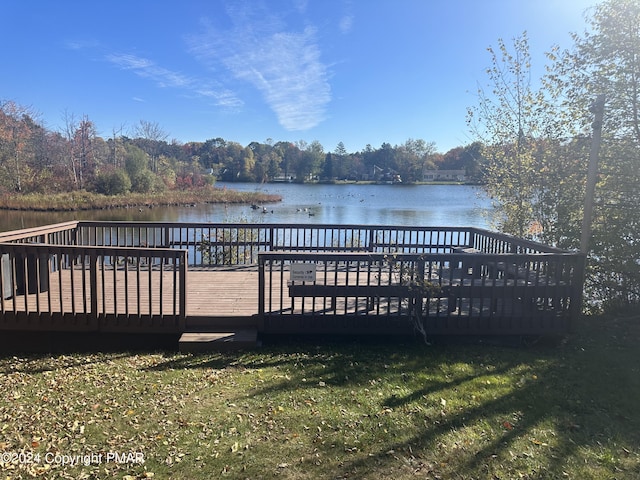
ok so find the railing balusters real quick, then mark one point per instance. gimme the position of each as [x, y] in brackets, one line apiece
[509, 271]
[456, 292]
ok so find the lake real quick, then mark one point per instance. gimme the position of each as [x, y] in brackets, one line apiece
[425, 205]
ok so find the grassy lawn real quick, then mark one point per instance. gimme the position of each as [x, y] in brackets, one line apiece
[328, 409]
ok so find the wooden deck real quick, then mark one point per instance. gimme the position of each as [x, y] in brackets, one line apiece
[215, 297]
[168, 278]
[222, 293]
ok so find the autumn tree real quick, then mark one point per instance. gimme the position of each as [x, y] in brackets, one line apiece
[311, 160]
[261, 154]
[16, 127]
[136, 165]
[116, 146]
[504, 120]
[236, 162]
[468, 158]
[412, 158]
[69, 134]
[151, 135]
[605, 60]
[85, 143]
[525, 147]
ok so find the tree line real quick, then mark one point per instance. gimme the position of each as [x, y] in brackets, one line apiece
[36, 159]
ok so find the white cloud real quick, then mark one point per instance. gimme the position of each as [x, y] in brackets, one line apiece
[223, 98]
[346, 23]
[147, 69]
[285, 66]
[301, 5]
[166, 78]
[82, 44]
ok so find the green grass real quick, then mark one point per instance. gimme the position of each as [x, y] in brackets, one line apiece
[321, 409]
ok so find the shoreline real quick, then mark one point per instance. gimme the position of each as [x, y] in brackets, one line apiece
[86, 201]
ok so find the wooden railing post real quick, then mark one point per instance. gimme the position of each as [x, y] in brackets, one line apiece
[184, 260]
[261, 288]
[167, 242]
[417, 302]
[93, 286]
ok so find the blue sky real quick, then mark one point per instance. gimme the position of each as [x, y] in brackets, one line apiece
[353, 71]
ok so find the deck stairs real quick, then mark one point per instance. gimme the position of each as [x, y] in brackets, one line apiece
[203, 342]
[215, 334]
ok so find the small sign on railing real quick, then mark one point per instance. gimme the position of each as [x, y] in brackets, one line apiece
[302, 272]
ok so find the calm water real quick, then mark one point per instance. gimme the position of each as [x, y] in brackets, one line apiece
[426, 205]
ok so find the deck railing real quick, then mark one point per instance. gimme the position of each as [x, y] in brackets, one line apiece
[92, 288]
[213, 244]
[133, 274]
[57, 234]
[239, 243]
[441, 293]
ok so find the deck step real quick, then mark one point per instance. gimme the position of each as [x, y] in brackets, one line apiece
[201, 342]
[221, 323]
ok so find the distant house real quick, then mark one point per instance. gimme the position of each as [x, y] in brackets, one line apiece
[444, 176]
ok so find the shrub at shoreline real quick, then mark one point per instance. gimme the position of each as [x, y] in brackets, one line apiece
[82, 200]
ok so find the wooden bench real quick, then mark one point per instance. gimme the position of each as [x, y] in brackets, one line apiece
[371, 292]
[463, 249]
[533, 277]
[472, 267]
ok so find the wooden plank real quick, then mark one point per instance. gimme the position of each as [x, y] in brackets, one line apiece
[222, 293]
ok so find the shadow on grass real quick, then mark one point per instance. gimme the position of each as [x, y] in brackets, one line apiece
[581, 408]
[536, 412]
